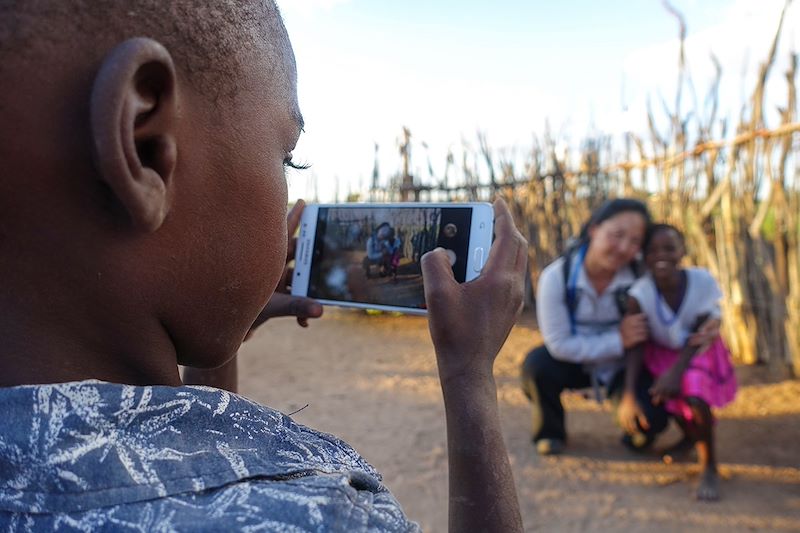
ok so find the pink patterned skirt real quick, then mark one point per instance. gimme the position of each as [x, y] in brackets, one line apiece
[710, 376]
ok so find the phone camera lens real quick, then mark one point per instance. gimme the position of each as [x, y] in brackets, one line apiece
[450, 230]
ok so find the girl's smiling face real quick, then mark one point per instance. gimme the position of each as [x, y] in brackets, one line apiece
[664, 252]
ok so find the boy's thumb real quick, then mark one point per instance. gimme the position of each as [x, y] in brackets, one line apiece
[436, 267]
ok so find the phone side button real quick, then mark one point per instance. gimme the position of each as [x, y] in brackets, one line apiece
[477, 259]
[301, 253]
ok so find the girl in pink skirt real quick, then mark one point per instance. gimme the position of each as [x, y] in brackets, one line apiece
[685, 354]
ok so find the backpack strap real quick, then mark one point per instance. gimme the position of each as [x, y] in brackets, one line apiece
[571, 269]
[565, 266]
[571, 294]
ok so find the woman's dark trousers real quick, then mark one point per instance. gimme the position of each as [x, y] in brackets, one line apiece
[544, 378]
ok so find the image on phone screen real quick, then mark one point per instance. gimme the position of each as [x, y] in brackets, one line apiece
[371, 255]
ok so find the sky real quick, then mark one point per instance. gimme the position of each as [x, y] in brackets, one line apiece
[447, 69]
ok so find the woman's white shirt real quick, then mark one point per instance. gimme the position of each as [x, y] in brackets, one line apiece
[596, 338]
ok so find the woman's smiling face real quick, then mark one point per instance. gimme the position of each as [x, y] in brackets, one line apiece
[616, 241]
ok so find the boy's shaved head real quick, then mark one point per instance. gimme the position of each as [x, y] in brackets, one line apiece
[209, 40]
[143, 197]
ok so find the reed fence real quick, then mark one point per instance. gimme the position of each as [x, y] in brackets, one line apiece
[737, 199]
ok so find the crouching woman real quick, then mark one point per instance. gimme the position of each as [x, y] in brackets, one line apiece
[580, 309]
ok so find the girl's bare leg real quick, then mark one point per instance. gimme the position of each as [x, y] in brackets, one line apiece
[680, 450]
[708, 489]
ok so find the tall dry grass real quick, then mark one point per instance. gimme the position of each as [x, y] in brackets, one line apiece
[736, 199]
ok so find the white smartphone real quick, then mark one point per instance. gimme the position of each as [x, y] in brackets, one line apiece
[368, 255]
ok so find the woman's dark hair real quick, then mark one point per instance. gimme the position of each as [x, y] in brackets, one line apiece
[654, 229]
[612, 208]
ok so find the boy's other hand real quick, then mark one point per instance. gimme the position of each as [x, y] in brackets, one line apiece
[470, 322]
[282, 302]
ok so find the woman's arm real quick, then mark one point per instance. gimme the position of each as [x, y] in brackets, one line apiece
[630, 412]
[554, 323]
[553, 318]
[634, 354]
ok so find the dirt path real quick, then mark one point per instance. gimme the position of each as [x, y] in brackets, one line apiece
[372, 381]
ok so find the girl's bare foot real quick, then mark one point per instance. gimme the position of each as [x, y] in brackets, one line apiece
[708, 489]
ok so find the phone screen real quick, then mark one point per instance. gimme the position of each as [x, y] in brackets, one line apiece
[371, 255]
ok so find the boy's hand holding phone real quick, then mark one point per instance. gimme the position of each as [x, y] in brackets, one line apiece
[368, 255]
[282, 302]
[470, 322]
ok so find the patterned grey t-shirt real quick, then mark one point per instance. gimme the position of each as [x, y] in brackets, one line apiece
[94, 456]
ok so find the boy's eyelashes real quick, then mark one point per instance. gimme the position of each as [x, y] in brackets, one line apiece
[288, 163]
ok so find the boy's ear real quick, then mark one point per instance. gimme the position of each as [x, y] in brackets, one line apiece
[134, 114]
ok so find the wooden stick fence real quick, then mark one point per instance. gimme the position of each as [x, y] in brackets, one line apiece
[737, 201]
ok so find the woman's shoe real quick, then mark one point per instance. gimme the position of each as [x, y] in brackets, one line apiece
[549, 446]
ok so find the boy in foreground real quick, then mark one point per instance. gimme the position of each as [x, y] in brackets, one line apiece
[142, 227]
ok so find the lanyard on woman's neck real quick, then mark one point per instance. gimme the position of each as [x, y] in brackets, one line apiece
[572, 282]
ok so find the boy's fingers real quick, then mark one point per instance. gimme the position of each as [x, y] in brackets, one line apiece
[436, 270]
[503, 221]
[300, 307]
[290, 249]
[643, 423]
[508, 249]
[287, 305]
[282, 283]
[293, 218]
[305, 308]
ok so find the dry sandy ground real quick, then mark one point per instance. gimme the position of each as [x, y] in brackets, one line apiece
[372, 381]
